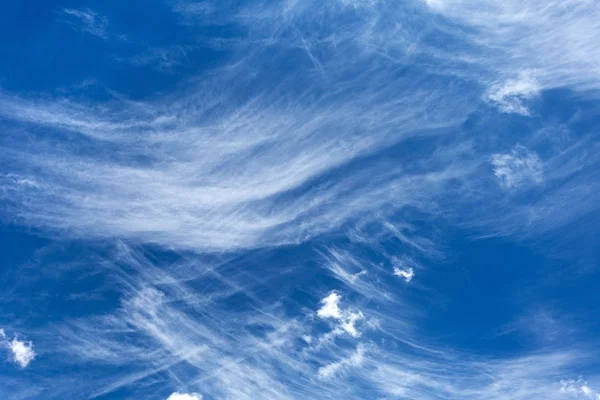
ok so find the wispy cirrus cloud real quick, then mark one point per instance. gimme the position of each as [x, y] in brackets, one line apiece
[277, 151]
[578, 389]
[555, 39]
[173, 317]
[350, 125]
[87, 21]
[209, 171]
[355, 359]
[517, 168]
[162, 58]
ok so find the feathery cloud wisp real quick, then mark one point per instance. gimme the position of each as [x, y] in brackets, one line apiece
[88, 21]
[517, 168]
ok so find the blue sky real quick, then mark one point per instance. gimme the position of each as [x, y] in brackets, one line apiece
[341, 199]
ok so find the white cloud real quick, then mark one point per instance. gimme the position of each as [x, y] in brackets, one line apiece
[556, 39]
[348, 324]
[330, 308]
[22, 352]
[407, 273]
[184, 396]
[209, 169]
[193, 12]
[162, 58]
[354, 272]
[207, 187]
[346, 319]
[88, 21]
[520, 378]
[510, 96]
[200, 340]
[578, 389]
[517, 168]
[356, 359]
[171, 334]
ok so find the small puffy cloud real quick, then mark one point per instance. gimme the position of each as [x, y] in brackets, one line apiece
[330, 308]
[21, 352]
[407, 273]
[518, 168]
[510, 96]
[184, 396]
[346, 319]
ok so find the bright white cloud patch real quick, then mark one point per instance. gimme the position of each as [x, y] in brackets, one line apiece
[22, 352]
[214, 180]
[517, 168]
[330, 308]
[184, 396]
[346, 319]
[407, 273]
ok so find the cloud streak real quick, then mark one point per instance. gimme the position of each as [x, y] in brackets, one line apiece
[210, 171]
[87, 21]
[171, 324]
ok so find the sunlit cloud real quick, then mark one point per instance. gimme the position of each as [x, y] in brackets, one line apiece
[407, 274]
[21, 352]
[184, 396]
